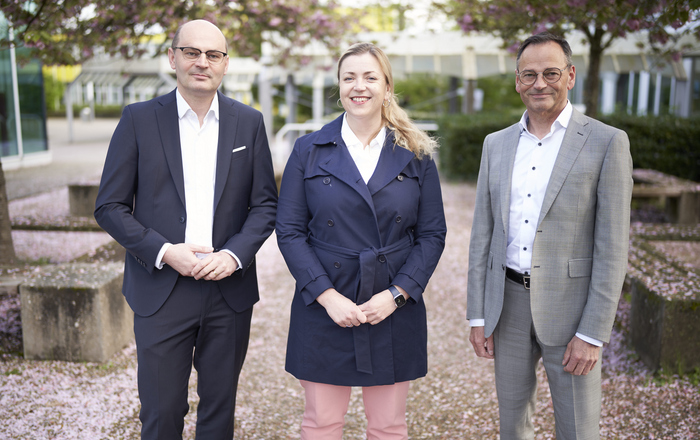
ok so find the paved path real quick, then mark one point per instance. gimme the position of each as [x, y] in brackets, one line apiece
[457, 400]
[72, 162]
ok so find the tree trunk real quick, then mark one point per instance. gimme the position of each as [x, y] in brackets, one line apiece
[591, 90]
[7, 249]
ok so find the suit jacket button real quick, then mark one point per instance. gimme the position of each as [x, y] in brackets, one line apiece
[382, 259]
[398, 219]
[182, 219]
[330, 223]
[326, 180]
[336, 264]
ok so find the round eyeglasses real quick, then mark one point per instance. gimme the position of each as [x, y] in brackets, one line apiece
[550, 75]
[193, 54]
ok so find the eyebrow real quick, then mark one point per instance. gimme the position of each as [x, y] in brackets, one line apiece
[369, 72]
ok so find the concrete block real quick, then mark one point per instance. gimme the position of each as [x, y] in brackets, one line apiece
[665, 332]
[75, 312]
[81, 199]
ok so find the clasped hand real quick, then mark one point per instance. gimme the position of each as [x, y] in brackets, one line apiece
[346, 313]
[213, 267]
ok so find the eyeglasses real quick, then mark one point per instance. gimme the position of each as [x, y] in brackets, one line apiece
[551, 75]
[193, 54]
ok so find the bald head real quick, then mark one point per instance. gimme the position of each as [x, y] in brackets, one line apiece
[199, 27]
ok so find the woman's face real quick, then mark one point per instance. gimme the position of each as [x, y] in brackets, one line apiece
[363, 87]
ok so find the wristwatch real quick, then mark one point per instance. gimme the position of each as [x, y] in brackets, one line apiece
[399, 299]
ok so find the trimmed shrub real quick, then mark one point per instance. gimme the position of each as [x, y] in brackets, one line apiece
[665, 143]
[462, 139]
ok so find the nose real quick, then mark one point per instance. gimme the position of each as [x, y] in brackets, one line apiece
[540, 83]
[202, 60]
[359, 85]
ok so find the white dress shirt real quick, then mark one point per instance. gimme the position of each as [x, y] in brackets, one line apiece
[199, 146]
[534, 162]
[366, 157]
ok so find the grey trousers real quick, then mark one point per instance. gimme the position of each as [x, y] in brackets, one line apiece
[576, 399]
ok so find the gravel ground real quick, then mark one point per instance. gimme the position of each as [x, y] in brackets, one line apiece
[457, 400]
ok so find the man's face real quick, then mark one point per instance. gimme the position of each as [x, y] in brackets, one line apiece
[198, 77]
[543, 98]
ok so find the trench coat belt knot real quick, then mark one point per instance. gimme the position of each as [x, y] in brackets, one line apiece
[372, 278]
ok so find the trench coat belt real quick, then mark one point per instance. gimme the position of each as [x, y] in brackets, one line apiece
[369, 266]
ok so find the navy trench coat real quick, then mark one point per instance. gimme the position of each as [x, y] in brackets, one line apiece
[335, 231]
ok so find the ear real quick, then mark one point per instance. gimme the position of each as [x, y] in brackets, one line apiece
[171, 57]
[517, 81]
[572, 78]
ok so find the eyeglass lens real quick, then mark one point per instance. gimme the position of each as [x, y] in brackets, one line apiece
[529, 77]
[191, 53]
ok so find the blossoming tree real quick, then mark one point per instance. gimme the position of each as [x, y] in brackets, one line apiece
[73, 31]
[601, 21]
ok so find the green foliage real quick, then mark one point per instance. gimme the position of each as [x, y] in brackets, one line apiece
[665, 143]
[499, 93]
[421, 93]
[101, 111]
[462, 138]
[53, 92]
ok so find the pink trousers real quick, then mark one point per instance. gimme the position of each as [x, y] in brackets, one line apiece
[326, 405]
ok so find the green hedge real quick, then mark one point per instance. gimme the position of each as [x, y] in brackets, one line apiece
[101, 111]
[664, 143]
[462, 138]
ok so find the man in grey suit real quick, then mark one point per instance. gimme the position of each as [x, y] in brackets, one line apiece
[548, 251]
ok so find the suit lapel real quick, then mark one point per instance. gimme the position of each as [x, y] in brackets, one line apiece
[511, 138]
[228, 121]
[575, 137]
[169, 128]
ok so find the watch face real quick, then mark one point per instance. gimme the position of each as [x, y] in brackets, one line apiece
[400, 301]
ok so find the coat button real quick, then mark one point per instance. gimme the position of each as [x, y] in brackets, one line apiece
[326, 180]
[382, 259]
[398, 219]
[330, 223]
[336, 264]
[400, 177]
[182, 219]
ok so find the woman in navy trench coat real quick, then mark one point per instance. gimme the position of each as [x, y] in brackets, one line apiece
[361, 251]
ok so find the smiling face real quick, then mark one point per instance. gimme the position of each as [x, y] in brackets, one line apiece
[543, 99]
[198, 78]
[363, 88]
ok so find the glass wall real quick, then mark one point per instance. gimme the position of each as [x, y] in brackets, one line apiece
[8, 128]
[30, 84]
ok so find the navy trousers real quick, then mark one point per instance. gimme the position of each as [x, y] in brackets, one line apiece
[194, 326]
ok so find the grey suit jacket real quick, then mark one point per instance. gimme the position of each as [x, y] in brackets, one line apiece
[579, 256]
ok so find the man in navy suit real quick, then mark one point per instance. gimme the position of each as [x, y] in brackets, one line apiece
[188, 189]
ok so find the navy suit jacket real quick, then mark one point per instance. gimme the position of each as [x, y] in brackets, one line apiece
[141, 200]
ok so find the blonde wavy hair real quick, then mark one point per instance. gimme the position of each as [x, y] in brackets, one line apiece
[406, 133]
